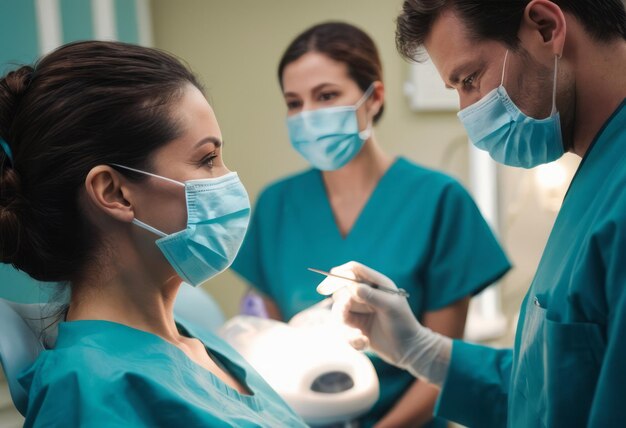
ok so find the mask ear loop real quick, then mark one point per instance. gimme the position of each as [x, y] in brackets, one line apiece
[556, 68]
[149, 228]
[368, 92]
[367, 132]
[149, 173]
[506, 55]
[137, 221]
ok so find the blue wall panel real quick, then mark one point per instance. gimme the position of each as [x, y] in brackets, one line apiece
[19, 44]
[126, 19]
[18, 33]
[76, 20]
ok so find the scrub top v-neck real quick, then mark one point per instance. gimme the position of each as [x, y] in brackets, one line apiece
[105, 374]
[419, 227]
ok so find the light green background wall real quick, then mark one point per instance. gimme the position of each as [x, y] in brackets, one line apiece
[235, 46]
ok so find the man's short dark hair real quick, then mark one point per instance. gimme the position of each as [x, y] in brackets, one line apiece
[499, 20]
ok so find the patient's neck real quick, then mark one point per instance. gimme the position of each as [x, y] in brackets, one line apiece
[128, 298]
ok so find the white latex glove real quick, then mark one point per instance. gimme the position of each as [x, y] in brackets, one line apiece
[387, 323]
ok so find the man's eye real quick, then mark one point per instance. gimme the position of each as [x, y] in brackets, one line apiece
[469, 81]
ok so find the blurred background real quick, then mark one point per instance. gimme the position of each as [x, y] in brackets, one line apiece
[234, 47]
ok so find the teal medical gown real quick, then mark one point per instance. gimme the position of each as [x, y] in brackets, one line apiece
[104, 374]
[419, 227]
[568, 367]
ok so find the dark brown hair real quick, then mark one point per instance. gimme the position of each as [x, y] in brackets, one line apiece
[499, 20]
[341, 42]
[83, 105]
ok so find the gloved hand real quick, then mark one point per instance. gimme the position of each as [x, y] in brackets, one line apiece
[388, 325]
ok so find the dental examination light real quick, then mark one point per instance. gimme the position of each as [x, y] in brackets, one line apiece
[309, 363]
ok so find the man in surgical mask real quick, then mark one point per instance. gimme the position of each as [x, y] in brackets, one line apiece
[535, 79]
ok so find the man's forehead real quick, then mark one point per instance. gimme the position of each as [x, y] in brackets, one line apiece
[451, 47]
[446, 38]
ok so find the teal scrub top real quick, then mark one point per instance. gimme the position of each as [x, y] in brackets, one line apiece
[104, 374]
[568, 366]
[419, 227]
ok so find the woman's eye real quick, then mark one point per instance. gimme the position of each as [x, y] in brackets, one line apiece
[292, 105]
[208, 160]
[327, 96]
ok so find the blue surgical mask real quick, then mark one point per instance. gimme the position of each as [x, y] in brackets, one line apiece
[218, 211]
[329, 138]
[495, 124]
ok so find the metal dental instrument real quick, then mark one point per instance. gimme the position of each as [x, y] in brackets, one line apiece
[400, 291]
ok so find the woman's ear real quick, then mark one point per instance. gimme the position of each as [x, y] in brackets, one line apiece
[543, 27]
[378, 98]
[107, 191]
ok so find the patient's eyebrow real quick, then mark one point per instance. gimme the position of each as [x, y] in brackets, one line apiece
[216, 141]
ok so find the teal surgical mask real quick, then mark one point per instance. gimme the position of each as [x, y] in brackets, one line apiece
[495, 124]
[329, 138]
[218, 211]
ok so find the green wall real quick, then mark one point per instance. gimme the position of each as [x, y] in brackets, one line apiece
[235, 46]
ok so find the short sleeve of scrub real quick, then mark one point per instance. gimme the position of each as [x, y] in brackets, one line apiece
[464, 255]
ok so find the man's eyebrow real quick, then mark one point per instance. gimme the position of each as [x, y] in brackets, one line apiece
[454, 77]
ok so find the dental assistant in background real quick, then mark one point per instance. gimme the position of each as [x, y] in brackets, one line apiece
[563, 89]
[112, 181]
[359, 203]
